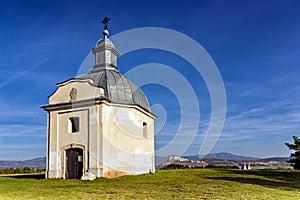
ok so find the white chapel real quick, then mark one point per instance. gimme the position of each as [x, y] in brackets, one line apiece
[100, 123]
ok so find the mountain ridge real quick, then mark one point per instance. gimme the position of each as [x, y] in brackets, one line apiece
[32, 163]
[220, 155]
[41, 161]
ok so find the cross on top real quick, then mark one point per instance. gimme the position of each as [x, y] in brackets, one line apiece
[105, 22]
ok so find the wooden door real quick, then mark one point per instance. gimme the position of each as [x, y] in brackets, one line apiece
[74, 163]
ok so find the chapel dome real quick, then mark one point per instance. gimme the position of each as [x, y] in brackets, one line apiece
[105, 42]
[105, 74]
[118, 88]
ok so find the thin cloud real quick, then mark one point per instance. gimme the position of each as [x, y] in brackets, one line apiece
[21, 130]
[273, 119]
[20, 74]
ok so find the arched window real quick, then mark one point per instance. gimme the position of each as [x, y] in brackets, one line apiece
[145, 129]
[73, 124]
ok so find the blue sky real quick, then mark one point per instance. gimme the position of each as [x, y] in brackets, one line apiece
[255, 46]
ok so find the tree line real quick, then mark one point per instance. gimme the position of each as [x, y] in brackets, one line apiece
[18, 170]
[295, 156]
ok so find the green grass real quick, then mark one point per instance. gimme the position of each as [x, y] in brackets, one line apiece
[164, 184]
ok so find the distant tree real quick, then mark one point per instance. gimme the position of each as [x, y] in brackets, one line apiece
[8, 170]
[18, 170]
[26, 170]
[23, 170]
[295, 157]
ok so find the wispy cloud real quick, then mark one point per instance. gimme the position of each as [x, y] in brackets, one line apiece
[13, 110]
[21, 130]
[16, 112]
[21, 141]
[273, 119]
[22, 73]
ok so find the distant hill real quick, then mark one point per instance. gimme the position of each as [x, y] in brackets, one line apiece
[159, 160]
[229, 156]
[222, 155]
[194, 157]
[279, 159]
[212, 157]
[224, 160]
[33, 163]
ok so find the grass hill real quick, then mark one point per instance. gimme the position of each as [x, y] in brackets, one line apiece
[164, 184]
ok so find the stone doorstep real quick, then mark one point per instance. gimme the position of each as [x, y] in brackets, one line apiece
[88, 176]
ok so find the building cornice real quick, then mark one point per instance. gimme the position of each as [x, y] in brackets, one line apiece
[94, 101]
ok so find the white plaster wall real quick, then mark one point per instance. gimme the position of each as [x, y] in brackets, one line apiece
[53, 146]
[66, 137]
[125, 149]
[110, 134]
[95, 147]
[61, 138]
[84, 91]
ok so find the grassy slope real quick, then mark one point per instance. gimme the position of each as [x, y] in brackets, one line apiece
[168, 184]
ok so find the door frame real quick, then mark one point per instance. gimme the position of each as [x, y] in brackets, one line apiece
[64, 158]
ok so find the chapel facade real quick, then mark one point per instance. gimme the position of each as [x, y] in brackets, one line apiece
[100, 123]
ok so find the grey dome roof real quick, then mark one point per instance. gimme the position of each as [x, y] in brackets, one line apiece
[105, 42]
[105, 74]
[118, 88]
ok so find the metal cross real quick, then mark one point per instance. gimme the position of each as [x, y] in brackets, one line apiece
[105, 22]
